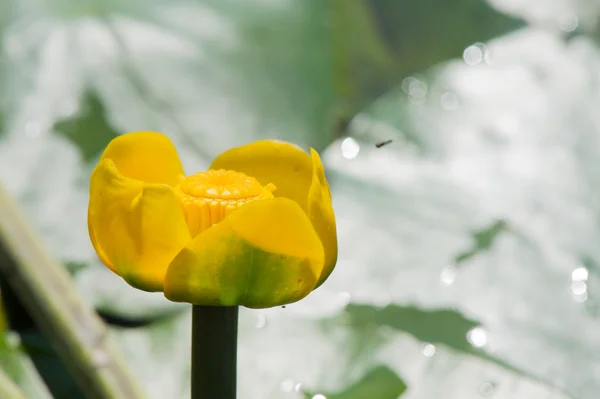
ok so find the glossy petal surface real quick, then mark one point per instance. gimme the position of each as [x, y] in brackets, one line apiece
[265, 254]
[320, 212]
[136, 228]
[147, 156]
[297, 176]
[285, 165]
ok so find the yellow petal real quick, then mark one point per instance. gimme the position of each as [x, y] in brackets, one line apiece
[264, 254]
[285, 165]
[96, 245]
[137, 228]
[298, 176]
[320, 212]
[146, 156]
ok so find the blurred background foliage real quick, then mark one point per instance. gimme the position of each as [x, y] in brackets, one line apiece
[469, 264]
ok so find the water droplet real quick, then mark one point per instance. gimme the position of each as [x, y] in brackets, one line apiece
[580, 274]
[487, 57]
[581, 297]
[261, 320]
[33, 129]
[487, 388]
[568, 22]
[449, 101]
[473, 55]
[287, 385]
[350, 148]
[298, 387]
[579, 291]
[477, 337]
[406, 83]
[578, 287]
[448, 275]
[417, 91]
[319, 396]
[428, 350]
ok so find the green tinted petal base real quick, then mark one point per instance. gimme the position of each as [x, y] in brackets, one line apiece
[265, 254]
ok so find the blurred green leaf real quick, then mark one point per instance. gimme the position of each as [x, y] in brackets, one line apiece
[427, 32]
[377, 43]
[446, 327]
[379, 383]
[483, 240]
[89, 128]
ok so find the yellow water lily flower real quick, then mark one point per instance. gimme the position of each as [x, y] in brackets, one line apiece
[257, 229]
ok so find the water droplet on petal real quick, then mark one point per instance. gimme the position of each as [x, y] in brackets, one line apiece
[487, 57]
[581, 298]
[473, 55]
[428, 350]
[350, 148]
[579, 291]
[477, 337]
[417, 91]
[406, 83]
[578, 287]
[448, 275]
[580, 274]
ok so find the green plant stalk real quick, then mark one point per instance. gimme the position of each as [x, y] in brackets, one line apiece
[214, 352]
[46, 291]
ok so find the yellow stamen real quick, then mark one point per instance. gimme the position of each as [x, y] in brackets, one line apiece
[208, 197]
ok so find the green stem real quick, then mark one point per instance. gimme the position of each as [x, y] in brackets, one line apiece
[214, 351]
[46, 291]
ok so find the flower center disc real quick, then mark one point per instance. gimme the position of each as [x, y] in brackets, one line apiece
[221, 184]
[208, 197]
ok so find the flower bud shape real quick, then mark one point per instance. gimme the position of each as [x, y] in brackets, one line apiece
[257, 229]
